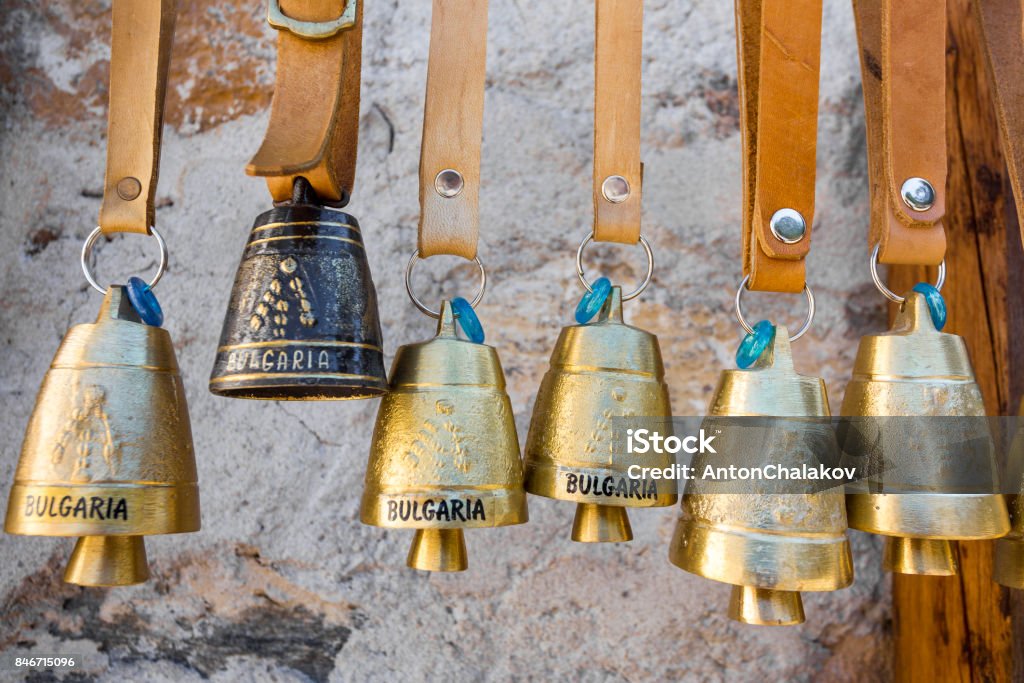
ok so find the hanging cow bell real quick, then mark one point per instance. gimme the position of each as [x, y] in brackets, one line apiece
[445, 454]
[914, 424]
[1009, 552]
[791, 537]
[108, 454]
[302, 321]
[600, 371]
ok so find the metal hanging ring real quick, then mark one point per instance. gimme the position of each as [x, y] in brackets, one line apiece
[888, 293]
[422, 306]
[90, 242]
[750, 330]
[625, 297]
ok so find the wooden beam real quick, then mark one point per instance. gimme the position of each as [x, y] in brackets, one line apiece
[960, 628]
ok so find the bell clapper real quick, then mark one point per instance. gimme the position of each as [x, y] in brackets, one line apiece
[766, 607]
[108, 561]
[438, 550]
[601, 524]
[922, 556]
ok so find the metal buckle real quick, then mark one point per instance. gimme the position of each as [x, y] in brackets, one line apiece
[314, 30]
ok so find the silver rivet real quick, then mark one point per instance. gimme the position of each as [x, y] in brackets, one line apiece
[788, 226]
[449, 183]
[615, 189]
[918, 194]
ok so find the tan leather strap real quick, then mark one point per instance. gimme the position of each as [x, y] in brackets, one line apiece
[779, 50]
[618, 46]
[903, 67]
[140, 52]
[1002, 26]
[314, 116]
[453, 122]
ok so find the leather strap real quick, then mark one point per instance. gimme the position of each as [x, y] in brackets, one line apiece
[903, 66]
[779, 50]
[314, 116]
[1002, 26]
[618, 46]
[140, 52]
[453, 121]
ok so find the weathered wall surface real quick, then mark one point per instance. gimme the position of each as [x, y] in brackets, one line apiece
[283, 583]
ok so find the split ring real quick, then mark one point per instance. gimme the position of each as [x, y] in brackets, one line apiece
[625, 297]
[888, 293]
[90, 241]
[422, 306]
[750, 330]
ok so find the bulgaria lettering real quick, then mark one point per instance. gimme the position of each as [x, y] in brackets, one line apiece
[77, 507]
[443, 510]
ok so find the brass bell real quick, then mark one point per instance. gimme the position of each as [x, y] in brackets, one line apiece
[108, 454]
[925, 482]
[302, 320]
[1009, 550]
[787, 538]
[445, 454]
[600, 371]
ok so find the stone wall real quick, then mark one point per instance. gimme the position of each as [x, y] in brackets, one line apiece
[283, 582]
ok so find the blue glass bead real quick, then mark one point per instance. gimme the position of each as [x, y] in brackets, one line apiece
[936, 304]
[593, 300]
[753, 345]
[144, 302]
[467, 319]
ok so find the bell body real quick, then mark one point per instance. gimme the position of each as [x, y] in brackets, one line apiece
[445, 454]
[786, 538]
[108, 449]
[930, 480]
[599, 372]
[302, 320]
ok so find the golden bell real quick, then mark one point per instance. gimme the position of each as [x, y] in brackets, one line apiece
[774, 544]
[1009, 551]
[926, 481]
[599, 372]
[445, 455]
[108, 452]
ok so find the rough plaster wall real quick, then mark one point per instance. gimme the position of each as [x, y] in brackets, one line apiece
[283, 583]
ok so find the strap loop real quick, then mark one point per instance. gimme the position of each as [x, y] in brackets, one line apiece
[779, 50]
[140, 52]
[618, 173]
[903, 67]
[314, 117]
[453, 121]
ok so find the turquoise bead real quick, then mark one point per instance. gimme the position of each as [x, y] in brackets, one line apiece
[144, 302]
[466, 317]
[754, 344]
[593, 300]
[936, 304]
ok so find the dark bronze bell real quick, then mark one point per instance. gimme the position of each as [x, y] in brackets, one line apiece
[600, 372]
[108, 452]
[770, 545]
[445, 454]
[302, 321]
[913, 422]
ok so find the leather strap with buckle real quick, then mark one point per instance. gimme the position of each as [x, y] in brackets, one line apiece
[903, 67]
[314, 117]
[618, 173]
[140, 52]
[779, 51]
[453, 120]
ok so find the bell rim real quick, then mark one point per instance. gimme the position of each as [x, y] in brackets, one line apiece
[831, 553]
[508, 507]
[939, 516]
[158, 508]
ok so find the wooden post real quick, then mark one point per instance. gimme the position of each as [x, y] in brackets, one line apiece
[968, 628]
